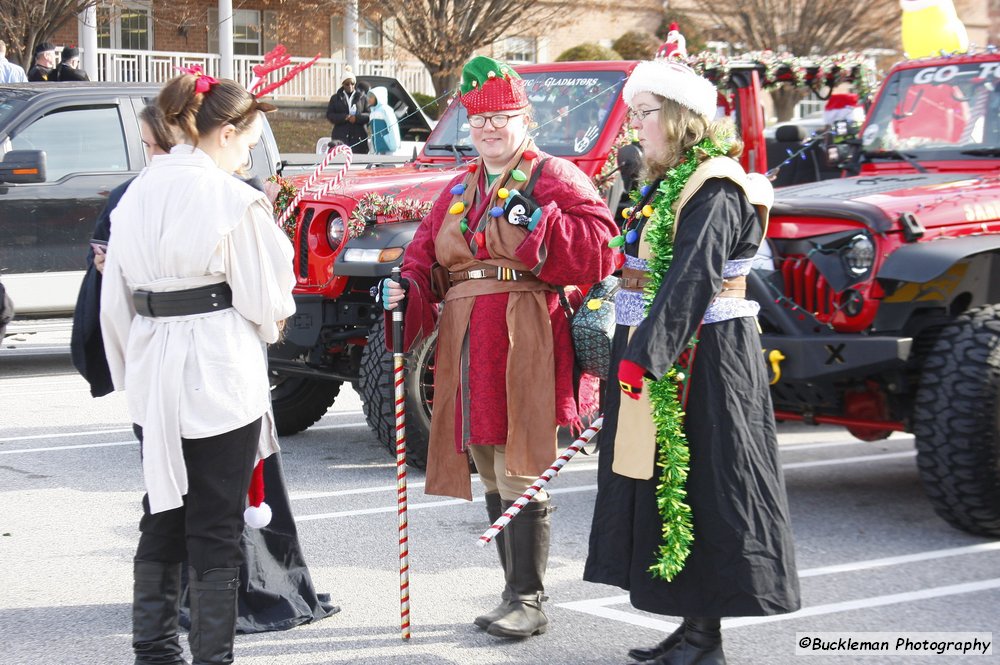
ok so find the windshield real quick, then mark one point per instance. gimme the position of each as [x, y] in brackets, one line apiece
[569, 110]
[11, 101]
[938, 112]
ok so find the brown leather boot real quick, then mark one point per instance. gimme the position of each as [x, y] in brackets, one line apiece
[495, 508]
[527, 546]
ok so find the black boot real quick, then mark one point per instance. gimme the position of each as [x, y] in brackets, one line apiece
[641, 654]
[495, 508]
[156, 595]
[213, 615]
[527, 545]
[701, 645]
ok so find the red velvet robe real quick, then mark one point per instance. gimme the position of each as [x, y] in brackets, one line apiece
[568, 246]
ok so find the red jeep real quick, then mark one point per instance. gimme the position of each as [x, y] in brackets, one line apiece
[350, 239]
[879, 301]
[877, 290]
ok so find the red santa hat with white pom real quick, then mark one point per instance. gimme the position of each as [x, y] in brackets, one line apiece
[258, 513]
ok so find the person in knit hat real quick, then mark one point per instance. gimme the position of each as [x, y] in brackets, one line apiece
[69, 66]
[691, 515]
[502, 240]
[45, 62]
[348, 113]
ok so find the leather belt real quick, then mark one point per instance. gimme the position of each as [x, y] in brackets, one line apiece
[499, 273]
[201, 300]
[734, 287]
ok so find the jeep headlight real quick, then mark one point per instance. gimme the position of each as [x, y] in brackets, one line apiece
[335, 231]
[859, 254]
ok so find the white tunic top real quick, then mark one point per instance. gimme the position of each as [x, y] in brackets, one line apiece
[185, 223]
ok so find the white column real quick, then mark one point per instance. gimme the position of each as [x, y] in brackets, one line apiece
[226, 39]
[351, 35]
[88, 41]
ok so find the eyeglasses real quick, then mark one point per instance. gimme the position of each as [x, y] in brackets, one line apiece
[499, 120]
[636, 114]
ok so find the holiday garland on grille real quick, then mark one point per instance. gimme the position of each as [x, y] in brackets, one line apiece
[667, 411]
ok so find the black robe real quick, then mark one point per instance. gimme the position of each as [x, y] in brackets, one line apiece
[276, 591]
[742, 559]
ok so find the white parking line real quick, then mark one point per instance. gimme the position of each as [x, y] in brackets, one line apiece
[848, 460]
[601, 607]
[121, 443]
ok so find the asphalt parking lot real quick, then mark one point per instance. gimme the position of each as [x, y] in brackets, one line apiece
[872, 554]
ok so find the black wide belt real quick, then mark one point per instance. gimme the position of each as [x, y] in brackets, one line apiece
[201, 300]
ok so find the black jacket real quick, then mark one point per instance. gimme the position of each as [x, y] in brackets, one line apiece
[352, 134]
[64, 72]
[40, 73]
[86, 344]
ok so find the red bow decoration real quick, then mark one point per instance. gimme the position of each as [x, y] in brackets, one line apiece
[204, 82]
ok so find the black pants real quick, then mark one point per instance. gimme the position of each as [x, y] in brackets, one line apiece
[206, 530]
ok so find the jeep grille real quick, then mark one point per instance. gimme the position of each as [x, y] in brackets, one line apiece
[304, 242]
[807, 288]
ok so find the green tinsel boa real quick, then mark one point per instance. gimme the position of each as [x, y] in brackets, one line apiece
[668, 415]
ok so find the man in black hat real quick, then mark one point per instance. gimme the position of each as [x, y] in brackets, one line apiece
[69, 66]
[45, 60]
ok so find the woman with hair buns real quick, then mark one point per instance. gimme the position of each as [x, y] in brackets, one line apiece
[694, 404]
[197, 280]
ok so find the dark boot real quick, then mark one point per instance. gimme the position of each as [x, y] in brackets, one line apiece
[156, 595]
[213, 615]
[527, 545]
[641, 654]
[495, 508]
[701, 645]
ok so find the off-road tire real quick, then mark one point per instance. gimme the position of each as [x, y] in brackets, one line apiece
[377, 394]
[298, 402]
[956, 421]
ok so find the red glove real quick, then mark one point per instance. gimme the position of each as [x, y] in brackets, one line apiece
[630, 378]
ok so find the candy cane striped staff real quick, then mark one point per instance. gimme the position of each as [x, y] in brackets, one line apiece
[404, 546]
[327, 186]
[542, 481]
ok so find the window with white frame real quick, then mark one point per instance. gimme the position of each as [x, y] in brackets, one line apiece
[247, 37]
[125, 26]
[369, 34]
[516, 50]
[246, 32]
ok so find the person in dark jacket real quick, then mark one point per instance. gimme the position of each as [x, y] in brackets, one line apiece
[69, 67]
[45, 62]
[276, 590]
[348, 112]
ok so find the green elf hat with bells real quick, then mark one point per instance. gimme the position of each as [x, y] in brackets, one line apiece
[489, 85]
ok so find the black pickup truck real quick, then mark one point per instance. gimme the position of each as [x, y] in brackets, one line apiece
[63, 147]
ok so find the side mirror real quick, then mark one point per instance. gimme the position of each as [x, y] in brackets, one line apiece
[23, 166]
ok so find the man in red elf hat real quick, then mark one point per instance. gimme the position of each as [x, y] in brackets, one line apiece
[505, 236]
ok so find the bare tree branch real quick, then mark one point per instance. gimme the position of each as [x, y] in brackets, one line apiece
[29, 22]
[799, 27]
[443, 34]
